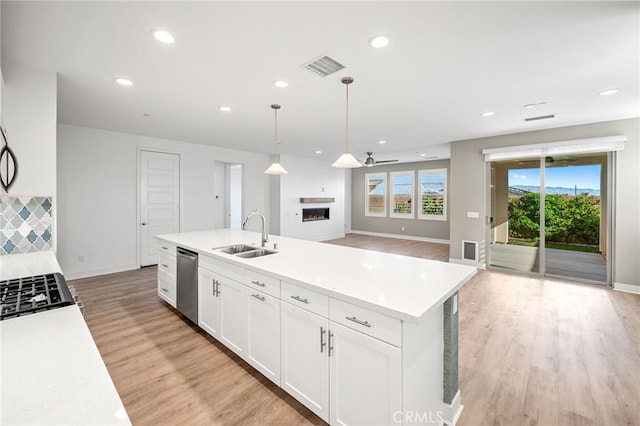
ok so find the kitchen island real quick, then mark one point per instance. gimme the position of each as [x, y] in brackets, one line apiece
[355, 335]
[51, 372]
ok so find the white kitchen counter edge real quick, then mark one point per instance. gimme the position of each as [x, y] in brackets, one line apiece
[250, 264]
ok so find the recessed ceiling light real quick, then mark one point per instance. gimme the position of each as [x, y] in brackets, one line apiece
[163, 36]
[318, 152]
[488, 114]
[609, 92]
[379, 41]
[527, 106]
[280, 83]
[423, 155]
[382, 142]
[124, 81]
[224, 108]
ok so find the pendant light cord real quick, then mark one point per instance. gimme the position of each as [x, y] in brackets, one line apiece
[276, 137]
[346, 138]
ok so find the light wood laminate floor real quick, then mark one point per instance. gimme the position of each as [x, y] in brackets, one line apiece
[532, 351]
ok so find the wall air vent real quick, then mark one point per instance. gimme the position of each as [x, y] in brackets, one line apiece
[541, 117]
[323, 66]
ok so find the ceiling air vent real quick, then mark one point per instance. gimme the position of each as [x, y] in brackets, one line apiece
[323, 66]
[541, 117]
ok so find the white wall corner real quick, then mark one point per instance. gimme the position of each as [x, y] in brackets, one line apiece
[627, 288]
[452, 412]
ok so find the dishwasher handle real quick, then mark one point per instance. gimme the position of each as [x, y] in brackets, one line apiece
[187, 253]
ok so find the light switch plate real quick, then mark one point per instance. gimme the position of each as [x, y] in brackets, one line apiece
[473, 215]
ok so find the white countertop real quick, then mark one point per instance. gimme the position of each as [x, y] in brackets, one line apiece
[51, 372]
[399, 286]
[28, 264]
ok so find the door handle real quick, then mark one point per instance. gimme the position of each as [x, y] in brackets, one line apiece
[330, 342]
[322, 342]
[145, 223]
[257, 296]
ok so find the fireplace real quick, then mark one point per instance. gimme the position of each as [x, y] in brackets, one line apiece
[313, 214]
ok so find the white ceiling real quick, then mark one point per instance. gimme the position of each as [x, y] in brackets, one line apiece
[447, 63]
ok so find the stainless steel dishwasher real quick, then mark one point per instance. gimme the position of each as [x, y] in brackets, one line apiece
[187, 294]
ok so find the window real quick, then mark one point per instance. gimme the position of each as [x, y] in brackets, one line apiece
[376, 194]
[433, 194]
[402, 194]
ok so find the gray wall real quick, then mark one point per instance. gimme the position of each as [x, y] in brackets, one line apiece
[435, 229]
[469, 183]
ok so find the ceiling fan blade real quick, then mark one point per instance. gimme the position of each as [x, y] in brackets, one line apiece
[386, 161]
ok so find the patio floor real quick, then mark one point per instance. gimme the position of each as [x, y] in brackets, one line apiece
[563, 263]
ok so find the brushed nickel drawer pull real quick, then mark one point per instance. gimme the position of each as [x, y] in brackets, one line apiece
[300, 299]
[322, 342]
[330, 342]
[257, 296]
[259, 283]
[165, 265]
[166, 290]
[357, 321]
[164, 248]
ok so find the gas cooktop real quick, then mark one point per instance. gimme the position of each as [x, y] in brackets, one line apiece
[23, 296]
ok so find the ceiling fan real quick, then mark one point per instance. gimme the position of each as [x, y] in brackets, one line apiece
[371, 162]
[561, 159]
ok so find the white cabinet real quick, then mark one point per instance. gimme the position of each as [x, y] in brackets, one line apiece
[209, 302]
[263, 350]
[233, 315]
[167, 276]
[305, 362]
[365, 378]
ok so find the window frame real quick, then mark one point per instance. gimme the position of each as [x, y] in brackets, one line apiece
[392, 175]
[367, 177]
[440, 171]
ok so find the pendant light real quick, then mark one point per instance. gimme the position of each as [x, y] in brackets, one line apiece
[346, 160]
[276, 168]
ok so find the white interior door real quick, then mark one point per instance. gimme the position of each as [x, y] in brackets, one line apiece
[159, 201]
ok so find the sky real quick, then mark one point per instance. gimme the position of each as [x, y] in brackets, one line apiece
[586, 177]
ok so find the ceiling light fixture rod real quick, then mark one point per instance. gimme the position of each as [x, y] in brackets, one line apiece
[346, 160]
[276, 168]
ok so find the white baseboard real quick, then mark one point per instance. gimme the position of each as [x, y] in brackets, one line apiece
[627, 288]
[330, 237]
[401, 237]
[468, 262]
[451, 413]
[100, 271]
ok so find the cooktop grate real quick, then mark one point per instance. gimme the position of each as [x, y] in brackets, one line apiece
[22, 296]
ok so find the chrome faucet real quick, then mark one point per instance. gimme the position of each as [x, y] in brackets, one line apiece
[265, 237]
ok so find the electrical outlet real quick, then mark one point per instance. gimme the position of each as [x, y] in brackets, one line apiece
[402, 228]
[80, 259]
[473, 215]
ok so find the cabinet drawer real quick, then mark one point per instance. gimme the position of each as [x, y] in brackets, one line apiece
[167, 288]
[305, 299]
[167, 264]
[167, 248]
[366, 321]
[226, 270]
[263, 283]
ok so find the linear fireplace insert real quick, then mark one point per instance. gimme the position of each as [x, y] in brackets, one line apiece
[313, 214]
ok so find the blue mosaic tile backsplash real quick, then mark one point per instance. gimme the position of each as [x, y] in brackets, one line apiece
[25, 224]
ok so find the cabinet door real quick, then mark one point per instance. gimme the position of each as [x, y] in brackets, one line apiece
[209, 302]
[366, 386]
[234, 313]
[304, 361]
[263, 351]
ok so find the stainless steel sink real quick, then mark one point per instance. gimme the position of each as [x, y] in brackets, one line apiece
[255, 253]
[235, 249]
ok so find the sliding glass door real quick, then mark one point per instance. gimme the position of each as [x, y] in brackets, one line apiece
[549, 216]
[515, 215]
[576, 216]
